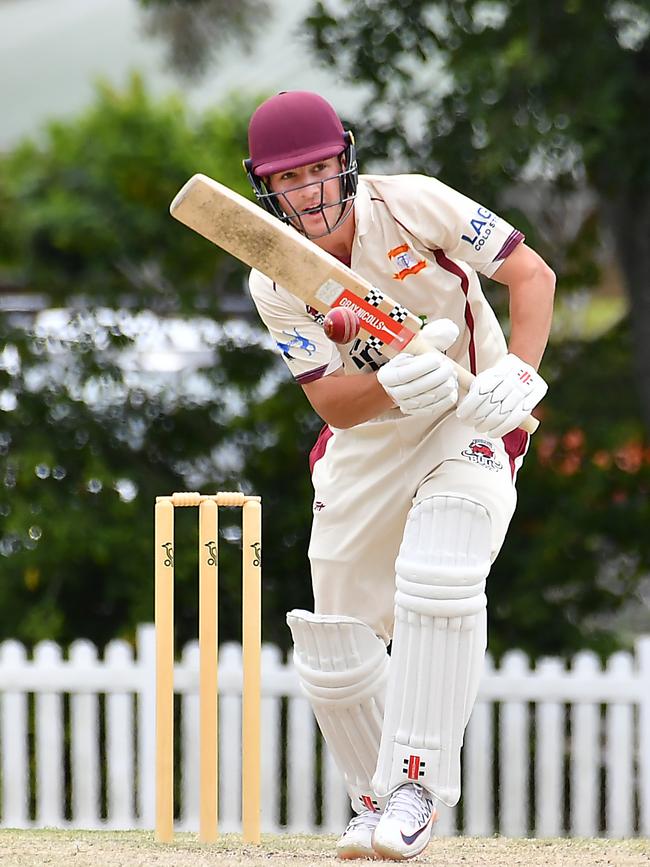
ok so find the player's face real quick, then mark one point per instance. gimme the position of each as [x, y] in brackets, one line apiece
[305, 191]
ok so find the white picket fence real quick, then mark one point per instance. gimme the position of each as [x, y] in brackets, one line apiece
[551, 751]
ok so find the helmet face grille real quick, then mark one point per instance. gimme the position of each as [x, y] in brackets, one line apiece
[334, 214]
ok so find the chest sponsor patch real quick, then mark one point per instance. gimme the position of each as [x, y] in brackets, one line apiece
[405, 260]
[481, 452]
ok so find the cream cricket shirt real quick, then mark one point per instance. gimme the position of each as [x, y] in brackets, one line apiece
[422, 243]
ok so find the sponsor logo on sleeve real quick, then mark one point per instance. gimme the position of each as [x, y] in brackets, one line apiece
[480, 228]
[481, 452]
[295, 342]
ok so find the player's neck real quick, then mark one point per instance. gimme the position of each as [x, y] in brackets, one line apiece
[339, 242]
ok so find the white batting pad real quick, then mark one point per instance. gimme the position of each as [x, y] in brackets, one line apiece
[438, 645]
[343, 669]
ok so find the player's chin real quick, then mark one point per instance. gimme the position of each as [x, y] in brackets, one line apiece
[307, 222]
[314, 225]
[314, 218]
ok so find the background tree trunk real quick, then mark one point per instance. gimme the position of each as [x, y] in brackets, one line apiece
[628, 215]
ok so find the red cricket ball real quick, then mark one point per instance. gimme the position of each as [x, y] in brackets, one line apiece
[341, 325]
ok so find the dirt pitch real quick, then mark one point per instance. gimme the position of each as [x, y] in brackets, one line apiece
[138, 849]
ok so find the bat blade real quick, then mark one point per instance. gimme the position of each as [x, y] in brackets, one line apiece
[261, 241]
[244, 230]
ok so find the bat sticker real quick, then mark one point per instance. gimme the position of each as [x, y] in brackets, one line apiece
[329, 292]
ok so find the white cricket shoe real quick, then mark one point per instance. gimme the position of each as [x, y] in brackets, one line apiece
[356, 840]
[404, 828]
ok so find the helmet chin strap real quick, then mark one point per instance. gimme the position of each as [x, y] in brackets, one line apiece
[289, 214]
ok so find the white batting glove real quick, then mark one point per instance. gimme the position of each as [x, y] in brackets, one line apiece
[424, 383]
[502, 396]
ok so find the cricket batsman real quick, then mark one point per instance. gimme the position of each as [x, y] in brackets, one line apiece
[414, 483]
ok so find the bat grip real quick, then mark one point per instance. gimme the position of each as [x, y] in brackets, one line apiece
[419, 345]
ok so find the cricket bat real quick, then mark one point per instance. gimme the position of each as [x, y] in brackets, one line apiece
[251, 234]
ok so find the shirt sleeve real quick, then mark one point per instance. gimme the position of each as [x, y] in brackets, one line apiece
[445, 219]
[296, 330]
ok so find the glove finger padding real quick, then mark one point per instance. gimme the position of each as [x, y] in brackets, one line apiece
[439, 401]
[490, 427]
[510, 401]
[439, 398]
[502, 396]
[430, 381]
[494, 405]
[420, 383]
[405, 368]
[476, 405]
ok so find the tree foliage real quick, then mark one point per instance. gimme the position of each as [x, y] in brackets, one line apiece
[493, 94]
[101, 410]
[92, 428]
[535, 108]
[577, 553]
[197, 30]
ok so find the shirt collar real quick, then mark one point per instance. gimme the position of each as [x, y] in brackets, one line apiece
[362, 209]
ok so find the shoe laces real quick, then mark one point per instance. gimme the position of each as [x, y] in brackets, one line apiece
[367, 819]
[411, 803]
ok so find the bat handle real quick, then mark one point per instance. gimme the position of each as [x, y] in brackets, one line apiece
[419, 345]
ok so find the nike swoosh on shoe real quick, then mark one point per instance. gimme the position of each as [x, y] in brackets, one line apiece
[409, 839]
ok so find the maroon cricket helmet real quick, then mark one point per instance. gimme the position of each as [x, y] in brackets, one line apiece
[293, 128]
[297, 128]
